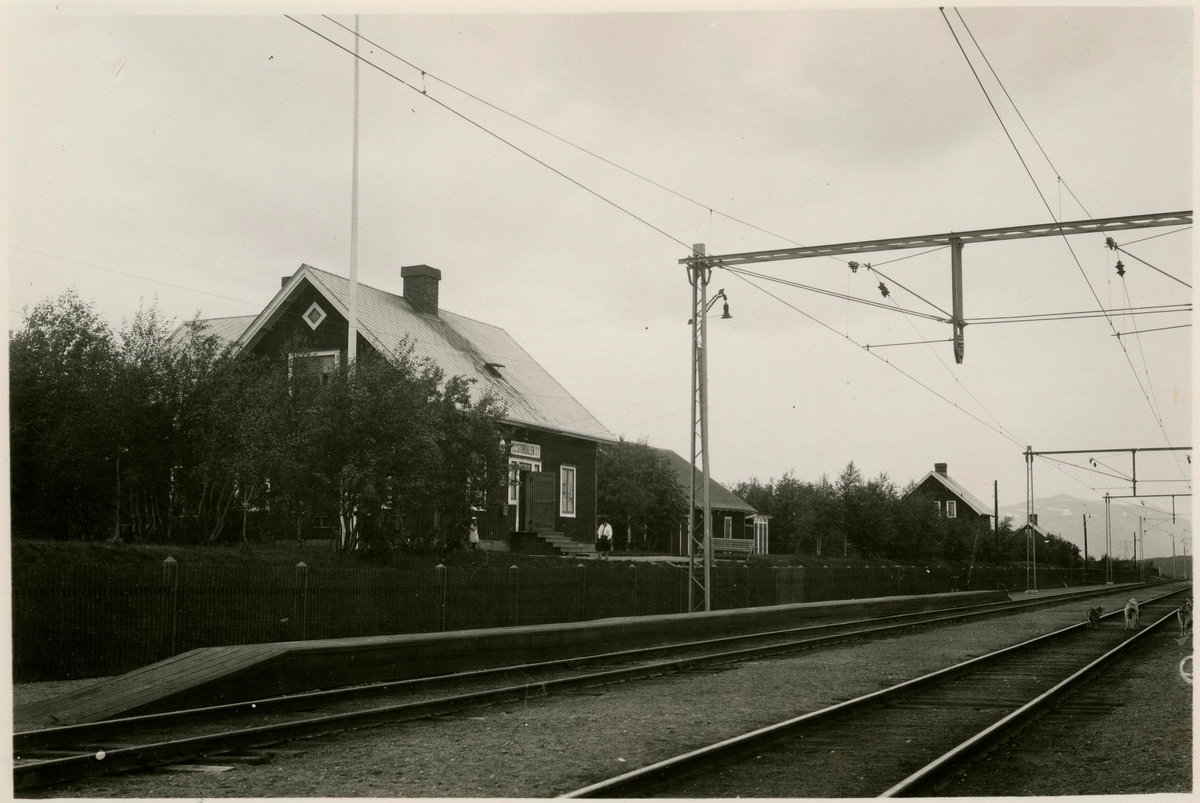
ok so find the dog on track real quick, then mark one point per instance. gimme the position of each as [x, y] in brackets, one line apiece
[1185, 619]
[1093, 616]
[1132, 620]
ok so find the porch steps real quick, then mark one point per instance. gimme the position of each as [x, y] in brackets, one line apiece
[566, 546]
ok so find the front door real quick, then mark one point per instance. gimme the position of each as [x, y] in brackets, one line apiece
[541, 495]
[518, 479]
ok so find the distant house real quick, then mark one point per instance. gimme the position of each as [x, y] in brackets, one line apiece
[551, 439]
[952, 500]
[732, 517]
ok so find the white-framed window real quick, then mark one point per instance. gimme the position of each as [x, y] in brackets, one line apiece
[951, 509]
[729, 527]
[937, 506]
[314, 315]
[312, 367]
[566, 491]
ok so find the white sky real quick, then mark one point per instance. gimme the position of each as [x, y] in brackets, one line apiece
[211, 154]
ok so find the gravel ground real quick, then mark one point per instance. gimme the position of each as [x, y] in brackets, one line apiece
[1142, 743]
[546, 746]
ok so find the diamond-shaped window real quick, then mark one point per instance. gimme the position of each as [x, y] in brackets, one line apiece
[314, 316]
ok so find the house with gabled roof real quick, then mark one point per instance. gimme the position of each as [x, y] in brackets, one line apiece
[732, 516]
[953, 501]
[552, 439]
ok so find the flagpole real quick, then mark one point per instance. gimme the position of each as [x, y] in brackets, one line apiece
[352, 335]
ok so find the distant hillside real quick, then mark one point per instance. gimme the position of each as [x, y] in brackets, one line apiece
[1063, 516]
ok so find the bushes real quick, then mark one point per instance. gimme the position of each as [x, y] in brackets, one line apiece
[182, 439]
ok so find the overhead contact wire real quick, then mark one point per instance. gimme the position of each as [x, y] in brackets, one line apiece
[1158, 420]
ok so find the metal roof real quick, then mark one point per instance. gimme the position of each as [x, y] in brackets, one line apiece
[227, 330]
[458, 345]
[959, 491]
[718, 495]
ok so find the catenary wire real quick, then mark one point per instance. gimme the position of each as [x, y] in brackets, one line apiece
[1152, 267]
[1155, 236]
[490, 133]
[1057, 175]
[818, 321]
[1156, 329]
[820, 291]
[1158, 419]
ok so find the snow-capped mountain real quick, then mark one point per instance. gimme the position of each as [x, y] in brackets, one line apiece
[1063, 515]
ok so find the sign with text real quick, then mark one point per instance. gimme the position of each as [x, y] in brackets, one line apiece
[520, 449]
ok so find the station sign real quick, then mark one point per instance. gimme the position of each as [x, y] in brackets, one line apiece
[530, 450]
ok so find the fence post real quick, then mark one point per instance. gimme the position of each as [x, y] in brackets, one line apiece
[582, 591]
[516, 589]
[440, 574]
[171, 583]
[746, 566]
[302, 591]
[633, 569]
[849, 582]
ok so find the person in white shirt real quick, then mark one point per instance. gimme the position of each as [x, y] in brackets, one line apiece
[604, 536]
[473, 535]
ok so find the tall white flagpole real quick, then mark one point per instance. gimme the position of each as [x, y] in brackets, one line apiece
[352, 339]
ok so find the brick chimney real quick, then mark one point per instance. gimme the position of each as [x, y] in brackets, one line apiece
[940, 468]
[421, 287]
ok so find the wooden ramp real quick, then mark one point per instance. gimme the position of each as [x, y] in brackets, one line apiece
[147, 688]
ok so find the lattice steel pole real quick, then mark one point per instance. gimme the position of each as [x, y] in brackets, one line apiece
[699, 273]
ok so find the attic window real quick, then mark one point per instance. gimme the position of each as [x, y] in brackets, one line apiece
[314, 316]
[493, 368]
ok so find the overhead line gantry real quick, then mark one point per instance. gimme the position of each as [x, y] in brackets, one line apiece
[955, 240]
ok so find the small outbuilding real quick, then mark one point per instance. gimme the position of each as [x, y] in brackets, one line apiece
[732, 517]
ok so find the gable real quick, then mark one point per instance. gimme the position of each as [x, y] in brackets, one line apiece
[943, 487]
[458, 345]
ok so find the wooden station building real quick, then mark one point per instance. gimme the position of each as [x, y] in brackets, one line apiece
[551, 439]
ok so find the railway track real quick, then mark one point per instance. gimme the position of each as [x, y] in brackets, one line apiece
[52, 756]
[900, 741]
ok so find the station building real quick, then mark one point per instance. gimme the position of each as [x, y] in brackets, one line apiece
[551, 439]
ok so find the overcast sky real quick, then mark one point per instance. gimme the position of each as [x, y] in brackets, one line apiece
[191, 161]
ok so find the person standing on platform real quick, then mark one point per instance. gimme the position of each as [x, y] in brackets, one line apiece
[604, 535]
[473, 535]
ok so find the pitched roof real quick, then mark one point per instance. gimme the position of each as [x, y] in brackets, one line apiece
[959, 491]
[718, 495]
[456, 344]
[227, 330]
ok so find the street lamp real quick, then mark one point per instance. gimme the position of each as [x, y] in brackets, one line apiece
[699, 272]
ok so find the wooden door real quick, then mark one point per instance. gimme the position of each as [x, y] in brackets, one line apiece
[541, 492]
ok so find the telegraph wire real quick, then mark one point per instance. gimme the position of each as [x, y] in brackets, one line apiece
[711, 210]
[490, 133]
[135, 276]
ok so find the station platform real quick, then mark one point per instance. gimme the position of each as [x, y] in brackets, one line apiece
[216, 675]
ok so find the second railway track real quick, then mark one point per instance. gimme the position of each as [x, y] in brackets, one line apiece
[899, 741]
